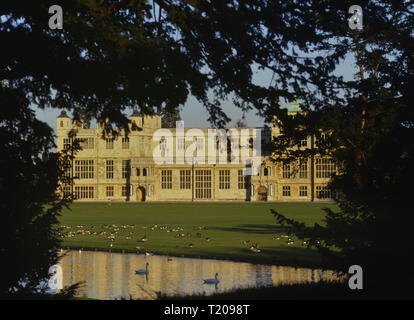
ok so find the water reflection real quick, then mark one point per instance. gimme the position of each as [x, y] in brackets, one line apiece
[112, 275]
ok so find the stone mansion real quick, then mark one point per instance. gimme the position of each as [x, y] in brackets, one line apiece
[124, 169]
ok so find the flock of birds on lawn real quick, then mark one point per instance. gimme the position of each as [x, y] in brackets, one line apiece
[125, 231]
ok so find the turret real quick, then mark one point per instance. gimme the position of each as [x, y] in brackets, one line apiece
[63, 121]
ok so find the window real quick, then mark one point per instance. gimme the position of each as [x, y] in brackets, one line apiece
[126, 169]
[109, 191]
[303, 143]
[84, 169]
[242, 180]
[185, 179]
[325, 168]
[303, 169]
[84, 192]
[286, 191]
[109, 143]
[67, 191]
[303, 191]
[67, 169]
[163, 145]
[125, 143]
[166, 179]
[224, 179]
[203, 184]
[181, 144]
[66, 144]
[109, 169]
[124, 191]
[286, 171]
[144, 172]
[323, 192]
[265, 172]
[86, 143]
[138, 172]
[61, 123]
[200, 144]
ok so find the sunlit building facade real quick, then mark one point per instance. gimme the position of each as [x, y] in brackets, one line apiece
[124, 169]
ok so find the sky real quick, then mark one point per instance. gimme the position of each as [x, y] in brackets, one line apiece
[194, 114]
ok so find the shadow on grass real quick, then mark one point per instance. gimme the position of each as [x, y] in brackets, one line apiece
[253, 229]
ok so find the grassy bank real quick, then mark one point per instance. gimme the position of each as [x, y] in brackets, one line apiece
[206, 230]
[304, 291]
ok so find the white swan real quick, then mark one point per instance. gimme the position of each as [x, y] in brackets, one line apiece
[212, 281]
[143, 271]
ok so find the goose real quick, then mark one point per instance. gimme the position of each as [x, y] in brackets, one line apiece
[212, 281]
[143, 271]
[144, 238]
[255, 248]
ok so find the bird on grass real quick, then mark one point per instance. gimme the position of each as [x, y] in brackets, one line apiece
[143, 271]
[255, 248]
[212, 281]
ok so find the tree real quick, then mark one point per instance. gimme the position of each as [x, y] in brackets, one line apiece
[169, 118]
[30, 202]
[240, 123]
[365, 127]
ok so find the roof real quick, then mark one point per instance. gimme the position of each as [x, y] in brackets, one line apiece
[63, 114]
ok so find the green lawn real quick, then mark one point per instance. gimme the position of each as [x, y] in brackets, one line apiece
[227, 226]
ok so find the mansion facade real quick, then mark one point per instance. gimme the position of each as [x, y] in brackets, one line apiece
[124, 169]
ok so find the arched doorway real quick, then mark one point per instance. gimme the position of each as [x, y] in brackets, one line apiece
[140, 194]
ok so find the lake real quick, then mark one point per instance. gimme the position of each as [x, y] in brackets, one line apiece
[112, 275]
